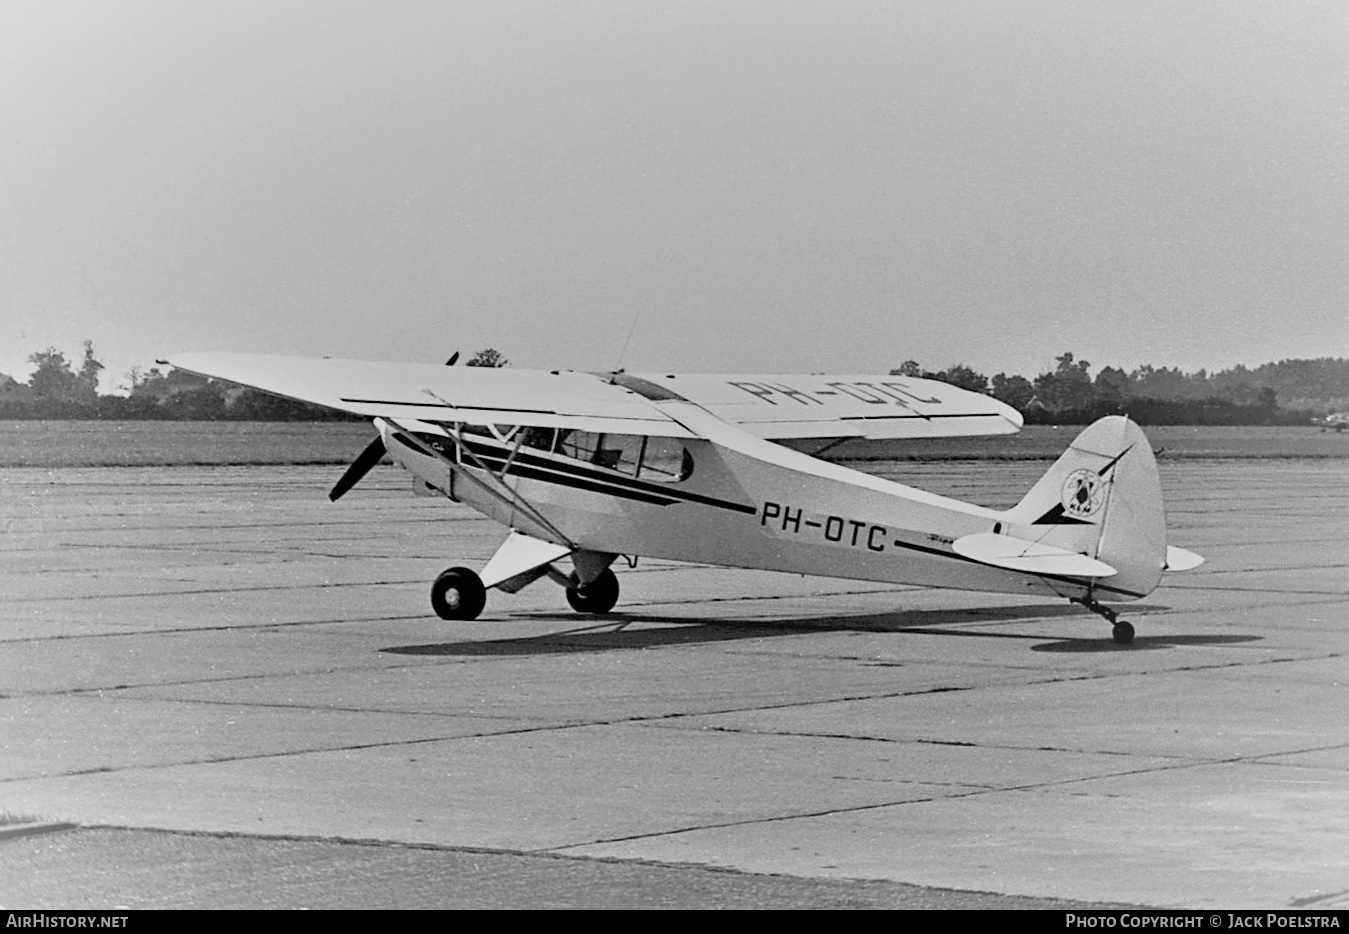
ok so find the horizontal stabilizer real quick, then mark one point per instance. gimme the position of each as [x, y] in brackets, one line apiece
[1182, 559]
[1017, 554]
[519, 561]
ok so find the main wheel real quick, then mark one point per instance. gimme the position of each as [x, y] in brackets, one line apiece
[458, 593]
[598, 596]
[1122, 633]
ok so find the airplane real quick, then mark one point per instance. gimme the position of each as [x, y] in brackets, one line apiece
[721, 469]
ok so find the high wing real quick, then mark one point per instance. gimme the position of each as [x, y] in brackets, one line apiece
[873, 408]
[772, 407]
[428, 392]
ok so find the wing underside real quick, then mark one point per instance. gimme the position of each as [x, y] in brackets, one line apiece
[426, 392]
[776, 408]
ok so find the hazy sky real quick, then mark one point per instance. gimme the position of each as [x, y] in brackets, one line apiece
[759, 186]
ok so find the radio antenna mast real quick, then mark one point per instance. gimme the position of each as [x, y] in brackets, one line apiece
[631, 328]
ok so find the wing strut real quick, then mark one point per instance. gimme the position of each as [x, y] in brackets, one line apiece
[501, 490]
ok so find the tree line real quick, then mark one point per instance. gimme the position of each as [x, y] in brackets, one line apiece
[1290, 392]
[56, 390]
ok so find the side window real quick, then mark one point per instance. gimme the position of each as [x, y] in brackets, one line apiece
[443, 446]
[620, 452]
[663, 460]
[541, 438]
[580, 445]
[666, 461]
[616, 452]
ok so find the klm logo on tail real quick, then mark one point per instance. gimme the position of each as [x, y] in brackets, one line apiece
[1083, 495]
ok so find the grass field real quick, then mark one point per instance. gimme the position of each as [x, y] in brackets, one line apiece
[55, 444]
[170, 444]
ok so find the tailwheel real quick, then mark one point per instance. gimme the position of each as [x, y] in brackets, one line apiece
[458, 593]
[598, 596]
[1121, 632]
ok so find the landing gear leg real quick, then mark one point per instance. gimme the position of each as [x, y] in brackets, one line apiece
[1121, 632]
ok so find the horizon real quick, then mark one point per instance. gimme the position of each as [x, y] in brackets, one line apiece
[107, 388]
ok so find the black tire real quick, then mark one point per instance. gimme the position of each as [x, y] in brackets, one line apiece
[1123, 633]
[598, 596]
[458, 593]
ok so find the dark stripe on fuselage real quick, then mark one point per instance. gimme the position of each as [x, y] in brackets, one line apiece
[579, 483]
[577, 475]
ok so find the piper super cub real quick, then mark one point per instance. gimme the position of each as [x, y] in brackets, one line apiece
[715, 469]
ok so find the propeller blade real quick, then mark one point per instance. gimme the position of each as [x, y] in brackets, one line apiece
[368, 458]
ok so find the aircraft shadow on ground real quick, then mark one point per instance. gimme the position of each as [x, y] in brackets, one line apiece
[1142, 643]
[617, 631]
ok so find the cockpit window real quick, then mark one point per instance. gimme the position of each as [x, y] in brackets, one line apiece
[660, 459]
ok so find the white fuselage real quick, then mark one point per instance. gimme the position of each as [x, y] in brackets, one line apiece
[745, 503]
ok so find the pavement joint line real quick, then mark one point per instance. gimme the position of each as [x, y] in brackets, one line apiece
[378, 711]
[1261, 759]
[780, 818]
[354, 747]
[150, 594]
[207, 526]
[1292, 592]
[321, 585]
[1179, 762]
[1264, 758]
[35, 828]
[284, 754]
[960, 744]
[639, 721]
[180, 630]
[225, 679]
[1263, 568]
[398, 666]
[576, 858]
[829, 812]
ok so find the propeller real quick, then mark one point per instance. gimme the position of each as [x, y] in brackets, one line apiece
[372, 455]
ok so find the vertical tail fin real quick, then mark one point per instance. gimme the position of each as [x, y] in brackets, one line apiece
[1102, 498]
